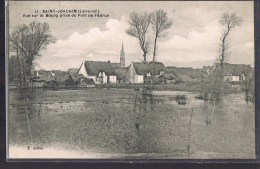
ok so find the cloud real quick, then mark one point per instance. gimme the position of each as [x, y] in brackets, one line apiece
[195, 46]
[193, 38]
[94, 44]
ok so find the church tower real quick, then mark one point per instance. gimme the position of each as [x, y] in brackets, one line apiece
[122, 57]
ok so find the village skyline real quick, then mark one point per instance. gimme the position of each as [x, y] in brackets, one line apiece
[191, 42]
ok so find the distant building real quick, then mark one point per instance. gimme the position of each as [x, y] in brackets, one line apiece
[185, 74]
[100, 72]
[167, 78]
[73, 71]
[50, 75]
[137, 71]
[233, 72]
[43, 75]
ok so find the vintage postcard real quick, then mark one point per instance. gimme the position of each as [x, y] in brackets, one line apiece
[130, 80]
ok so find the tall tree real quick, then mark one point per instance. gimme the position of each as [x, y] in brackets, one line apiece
[28, 41]
[229, 21]
[160, 23]
[139, 24]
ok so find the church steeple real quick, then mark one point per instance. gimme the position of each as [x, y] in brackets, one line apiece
[122, 56]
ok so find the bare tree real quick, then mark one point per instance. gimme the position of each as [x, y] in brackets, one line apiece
[160, 23]
[28, 41]
[139, 24]
[229, 21]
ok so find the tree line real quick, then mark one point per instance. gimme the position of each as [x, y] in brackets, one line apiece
[26, 43]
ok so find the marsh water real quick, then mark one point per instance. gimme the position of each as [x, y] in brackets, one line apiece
[103, 121]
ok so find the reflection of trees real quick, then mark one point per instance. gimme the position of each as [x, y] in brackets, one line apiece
[249, 86]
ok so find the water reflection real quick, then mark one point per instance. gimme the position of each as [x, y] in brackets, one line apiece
[151, 125]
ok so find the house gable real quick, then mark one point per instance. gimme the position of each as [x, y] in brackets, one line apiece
[100, 72]
[131, 76]
[83, 70]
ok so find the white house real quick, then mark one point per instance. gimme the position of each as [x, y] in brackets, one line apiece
[233, 78]
[137, 71]
[235, 72]
[100, 72]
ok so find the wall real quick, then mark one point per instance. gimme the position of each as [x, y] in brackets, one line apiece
[130, 74]
[139, 79]
[231, 78]
[235, 78]
[112, 79]
[82, 70]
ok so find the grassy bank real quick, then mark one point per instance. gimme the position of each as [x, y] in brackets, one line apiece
[191, 87]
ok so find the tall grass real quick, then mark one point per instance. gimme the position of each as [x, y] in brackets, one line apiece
[188, 146]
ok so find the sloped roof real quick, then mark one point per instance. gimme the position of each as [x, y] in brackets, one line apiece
[42, 72]
[169, 76]
[120, 72]
[116, 65]
[73, 70]
[234, 69]
[190, 72]
[142, 69]
[94, 68]
[48, 72]
[46, 78]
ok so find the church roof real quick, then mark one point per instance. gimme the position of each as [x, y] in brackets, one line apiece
[122, 53]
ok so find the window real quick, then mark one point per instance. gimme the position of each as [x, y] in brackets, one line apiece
[161, 72]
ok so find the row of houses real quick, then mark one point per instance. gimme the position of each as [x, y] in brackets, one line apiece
[106, 72]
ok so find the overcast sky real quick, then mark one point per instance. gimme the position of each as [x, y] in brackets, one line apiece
[192, 41]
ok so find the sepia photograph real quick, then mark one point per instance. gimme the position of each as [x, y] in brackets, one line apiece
[130, 80]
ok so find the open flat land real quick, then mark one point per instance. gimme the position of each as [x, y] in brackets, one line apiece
[101, 123]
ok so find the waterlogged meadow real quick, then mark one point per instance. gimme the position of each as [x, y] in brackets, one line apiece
[120, 123]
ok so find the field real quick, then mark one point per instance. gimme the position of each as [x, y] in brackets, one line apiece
[120, 123]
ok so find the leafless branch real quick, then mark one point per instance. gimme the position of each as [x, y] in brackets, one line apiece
[139, 24]
[28, 41]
